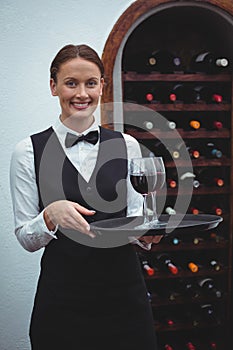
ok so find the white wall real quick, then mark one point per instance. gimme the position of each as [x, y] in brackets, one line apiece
[31, 32]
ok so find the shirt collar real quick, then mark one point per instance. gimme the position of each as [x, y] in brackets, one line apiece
[61, 130]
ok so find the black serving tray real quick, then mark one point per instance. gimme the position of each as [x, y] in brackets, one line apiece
[169, 224]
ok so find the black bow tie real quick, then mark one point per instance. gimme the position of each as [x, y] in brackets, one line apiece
[71, 139]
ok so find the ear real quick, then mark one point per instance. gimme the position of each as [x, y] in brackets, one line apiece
[101, 86]
[53, 87]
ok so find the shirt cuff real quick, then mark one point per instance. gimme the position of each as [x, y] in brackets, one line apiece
[44, 226]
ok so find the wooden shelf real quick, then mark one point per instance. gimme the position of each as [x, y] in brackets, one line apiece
[200, 191]
[154, 76]
[224, 161]
[175, 107]
[197, 134]
[186, 274]
[157, 301]
[184, 246]
[185, 326]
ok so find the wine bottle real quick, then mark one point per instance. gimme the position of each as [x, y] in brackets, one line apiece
[182, 93]
[168, 347]
[190, 289]
[206, 94]
[194, 316]
[215, 265]
[216, 237]
[175, 240]
[136, 62]
[210, 177]
[145, 265]
[209, 288]
[193, 210]
[216, 210]
[193, 152]
[163, 61]
[172, 183]
[194, 124]
[170, 211]
[215, 125]
[208, 62]
[153, 96]
[166, 263]
[149, 296]
[211, 151]
[197, 240]
[137, 123]
[168, 152]
[192, 266]
[188, 179]
[190, 346]
[171, 295]
[208, 313]
[212, 345]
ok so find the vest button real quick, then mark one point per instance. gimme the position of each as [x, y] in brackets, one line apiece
[89, 189]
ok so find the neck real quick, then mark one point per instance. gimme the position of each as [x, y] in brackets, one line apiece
[79, 125]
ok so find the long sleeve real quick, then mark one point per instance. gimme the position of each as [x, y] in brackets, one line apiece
[30, 228]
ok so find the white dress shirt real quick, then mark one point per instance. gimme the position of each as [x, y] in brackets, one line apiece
[30, 227]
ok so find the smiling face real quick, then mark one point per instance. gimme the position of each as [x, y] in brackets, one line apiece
[78, 86]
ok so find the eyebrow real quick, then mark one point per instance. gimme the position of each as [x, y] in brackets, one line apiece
[91, 78]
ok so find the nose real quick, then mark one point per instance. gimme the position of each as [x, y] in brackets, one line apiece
[81, 91]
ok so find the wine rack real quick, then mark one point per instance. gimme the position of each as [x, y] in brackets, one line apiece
[186, 316]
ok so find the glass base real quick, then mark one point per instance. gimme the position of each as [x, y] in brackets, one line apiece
[156, 223]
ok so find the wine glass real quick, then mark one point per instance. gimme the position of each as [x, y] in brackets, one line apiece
[143, 177]
[161, 176]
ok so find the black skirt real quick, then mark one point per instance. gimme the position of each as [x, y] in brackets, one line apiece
[91, 299]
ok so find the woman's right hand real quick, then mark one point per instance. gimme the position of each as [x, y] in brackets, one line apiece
[68, 215]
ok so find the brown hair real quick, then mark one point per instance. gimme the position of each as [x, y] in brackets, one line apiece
[70, 52]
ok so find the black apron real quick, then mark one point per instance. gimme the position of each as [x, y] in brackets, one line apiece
[87, 298]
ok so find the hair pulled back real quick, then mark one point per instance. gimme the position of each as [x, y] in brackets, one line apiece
[70, 52]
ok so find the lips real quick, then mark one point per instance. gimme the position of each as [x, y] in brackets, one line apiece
[80, 105]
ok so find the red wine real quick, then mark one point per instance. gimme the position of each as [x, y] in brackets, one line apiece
[143, 184]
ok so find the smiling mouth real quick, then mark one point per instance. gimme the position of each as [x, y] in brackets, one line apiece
[80, 105]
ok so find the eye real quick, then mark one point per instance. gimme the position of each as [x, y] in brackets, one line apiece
[71, 83]
[92, 83]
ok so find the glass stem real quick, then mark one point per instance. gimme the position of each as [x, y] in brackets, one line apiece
[153, 197]
[146, 217]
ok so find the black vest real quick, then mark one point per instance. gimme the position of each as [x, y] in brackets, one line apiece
[58, 179]
[87, 297]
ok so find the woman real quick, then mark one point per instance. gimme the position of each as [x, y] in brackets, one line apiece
[88, 297]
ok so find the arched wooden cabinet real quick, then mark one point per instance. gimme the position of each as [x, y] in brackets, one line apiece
[183, 315]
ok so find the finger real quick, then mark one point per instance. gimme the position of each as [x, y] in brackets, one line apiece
[83, 210]
[157, 239]
[79, 223]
